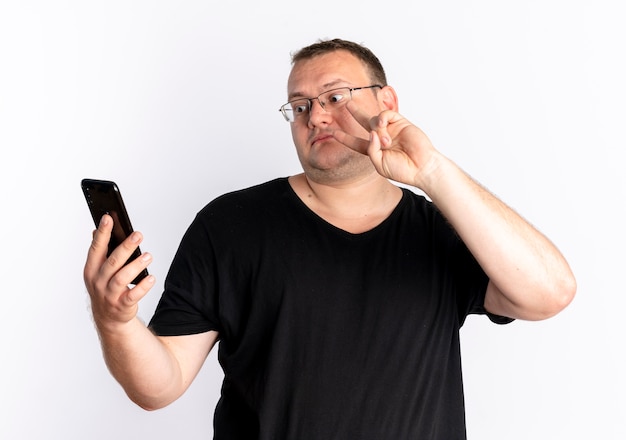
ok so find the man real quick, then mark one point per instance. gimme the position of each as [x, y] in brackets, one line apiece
[337, 297]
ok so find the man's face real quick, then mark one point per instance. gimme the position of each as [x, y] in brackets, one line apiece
[319, 153]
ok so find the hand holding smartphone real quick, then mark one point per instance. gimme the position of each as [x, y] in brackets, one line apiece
[104, 197]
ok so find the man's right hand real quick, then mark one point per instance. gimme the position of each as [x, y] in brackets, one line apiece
[107, 279]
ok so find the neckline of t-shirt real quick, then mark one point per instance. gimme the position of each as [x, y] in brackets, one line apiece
[309, 212]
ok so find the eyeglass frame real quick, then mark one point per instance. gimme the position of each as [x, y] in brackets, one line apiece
[323, 104]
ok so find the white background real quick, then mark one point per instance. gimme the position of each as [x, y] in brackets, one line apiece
[177, 102]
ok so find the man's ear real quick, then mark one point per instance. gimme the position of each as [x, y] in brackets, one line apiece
[388, 98]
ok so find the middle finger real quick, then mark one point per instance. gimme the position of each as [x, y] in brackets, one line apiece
[363, 118]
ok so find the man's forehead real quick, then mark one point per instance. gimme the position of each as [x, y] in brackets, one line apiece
[325, 71]
[338, 82]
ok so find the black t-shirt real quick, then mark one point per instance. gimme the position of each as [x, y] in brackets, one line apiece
[326, 334]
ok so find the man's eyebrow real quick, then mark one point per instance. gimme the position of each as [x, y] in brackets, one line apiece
[324, 87]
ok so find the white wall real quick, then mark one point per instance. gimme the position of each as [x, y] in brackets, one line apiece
[177, 102]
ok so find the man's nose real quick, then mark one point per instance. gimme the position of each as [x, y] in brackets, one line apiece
[317, 113]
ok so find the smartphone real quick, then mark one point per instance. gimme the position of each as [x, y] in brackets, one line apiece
[104, 197]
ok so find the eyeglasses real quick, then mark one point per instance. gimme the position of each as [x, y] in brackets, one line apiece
[330, 100]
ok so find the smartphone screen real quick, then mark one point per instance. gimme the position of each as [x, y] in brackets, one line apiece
[104, 197]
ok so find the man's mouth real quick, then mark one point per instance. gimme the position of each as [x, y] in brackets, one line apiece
[321, 138]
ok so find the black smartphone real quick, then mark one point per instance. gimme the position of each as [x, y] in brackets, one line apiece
[104, 197]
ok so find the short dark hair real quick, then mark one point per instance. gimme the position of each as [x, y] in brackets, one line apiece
[322, 47]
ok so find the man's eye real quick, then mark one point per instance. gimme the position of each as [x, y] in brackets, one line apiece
[335, 98]
[300, 108]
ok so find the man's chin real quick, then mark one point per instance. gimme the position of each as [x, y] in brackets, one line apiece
[338, 168]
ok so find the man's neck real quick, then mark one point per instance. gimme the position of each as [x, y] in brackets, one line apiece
[355, 206]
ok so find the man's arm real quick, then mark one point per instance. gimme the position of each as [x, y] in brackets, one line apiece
[154, 371]
[529, 278]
